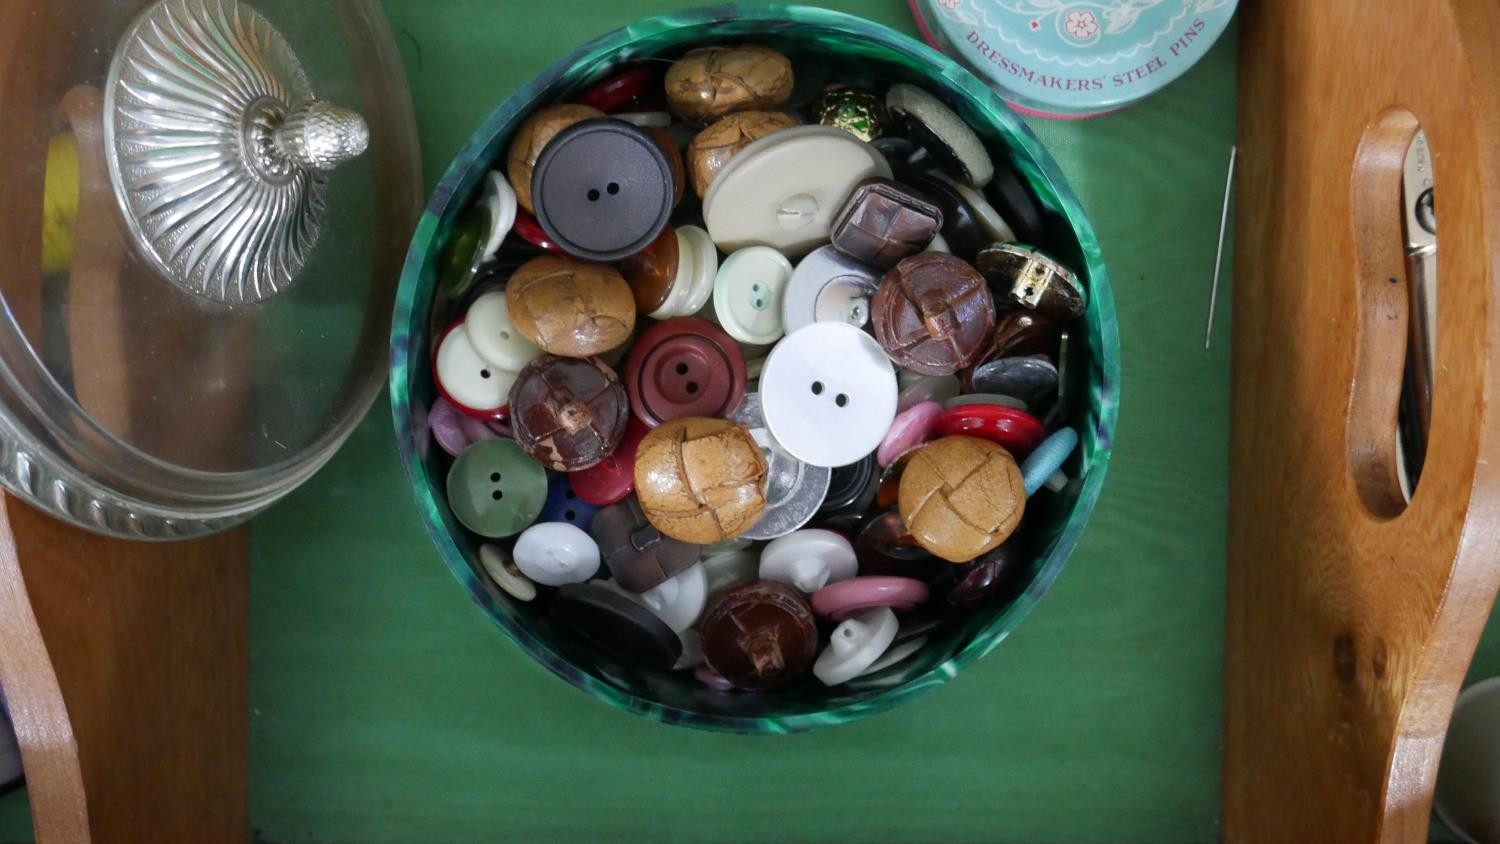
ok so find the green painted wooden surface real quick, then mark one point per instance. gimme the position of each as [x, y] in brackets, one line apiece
[386, 708]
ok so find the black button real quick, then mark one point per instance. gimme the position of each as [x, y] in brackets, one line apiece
[602, 189]
[1015, 204]
[851, 489]
[616, 625]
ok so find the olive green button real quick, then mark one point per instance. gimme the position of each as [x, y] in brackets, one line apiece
[495, 490]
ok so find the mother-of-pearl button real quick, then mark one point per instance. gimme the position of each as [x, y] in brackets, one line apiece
[828, 286]
[503, 570]
[748, 294]
[784, 189]
[500, 198]
[555, 553]
[808, 559]
[828, 393]
[472, 384]
[495, 337]
[855, 646]
[679, 600]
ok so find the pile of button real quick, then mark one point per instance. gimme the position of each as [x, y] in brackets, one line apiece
[751, 391]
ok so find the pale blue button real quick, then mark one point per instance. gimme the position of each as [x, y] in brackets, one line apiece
[1047, 459]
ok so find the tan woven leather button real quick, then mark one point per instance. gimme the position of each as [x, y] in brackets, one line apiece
[701, 480]
[710, 82]
[533, 135]
[569, 307]
[961, 497]
[714, 146]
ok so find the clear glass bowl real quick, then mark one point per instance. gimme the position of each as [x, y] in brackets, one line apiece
[824, 46]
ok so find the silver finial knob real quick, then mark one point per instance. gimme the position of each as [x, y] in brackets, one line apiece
[321, 135]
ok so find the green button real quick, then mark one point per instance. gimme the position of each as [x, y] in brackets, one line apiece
[495, 490]
[465, 250]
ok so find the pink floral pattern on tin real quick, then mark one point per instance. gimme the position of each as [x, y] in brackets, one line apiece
[1082, 24]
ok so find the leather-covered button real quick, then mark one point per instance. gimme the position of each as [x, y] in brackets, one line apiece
[961, 496]
[556, 553]
[710, 82]
[603, 189]
[933, 314]
[712, 148]
[794, 489]
[701, 480]
[851, 488]
[472, 386]
[1032, 280]
[853, 596]
[784, 189]
[748, 294]
[532, 137]
[564, 505]
[617, 625]
[684, 367]
[1016, 430]
[808, 559]
[501, 569]
[828, 393]
[759, 635]
[1030, 379]
[496, 339]
[828, 286]
[652, 271]
[612, 478]
[1048, 459]
[911, 428]
[495, 490]
[883, 222]
[568, 413]
[855, 645]
[637, 554]
[945, 135]
[569, 307]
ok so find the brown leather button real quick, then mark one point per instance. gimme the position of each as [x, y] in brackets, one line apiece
[884, 222]
[701, 480]
[961, 496]
[568, 414]
[673, 152]
[651, 271]
[714, 146]
[533, 135]
[570, 307]
[710, 82]
[933, 314]
[637, 554]
[684, 367]
[759, 635]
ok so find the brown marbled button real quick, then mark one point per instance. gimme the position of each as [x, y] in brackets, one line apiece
[701, 480]
[759, 635]
[651, 271]
[710, 82]
[961, 496]
[883, 222]
[570, 307]
[673, 152]
[1032, 280]
[567, 413]
[533, 135]
[885, 548]
[984, 578]
[712, 148]
[933, 314]
[637, 554]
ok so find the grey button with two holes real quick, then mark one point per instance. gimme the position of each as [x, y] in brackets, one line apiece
[602, 189]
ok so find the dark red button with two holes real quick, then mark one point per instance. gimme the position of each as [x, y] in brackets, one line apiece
[684, 367]
[1018, 431]
[612, 478]
[602, 189]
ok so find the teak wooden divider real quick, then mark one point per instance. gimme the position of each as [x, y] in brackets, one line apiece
[1353, 617]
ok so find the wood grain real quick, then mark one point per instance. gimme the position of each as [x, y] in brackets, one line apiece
[1351, 618]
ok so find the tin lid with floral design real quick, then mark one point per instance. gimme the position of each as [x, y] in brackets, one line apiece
[1074, 58]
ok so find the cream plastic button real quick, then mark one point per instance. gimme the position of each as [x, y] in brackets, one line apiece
[856, 644]
[828, 286]
[784, 189]
[466, 379]
[679, 600]
[494, 337]
[697, 266]
[828, 393]
[898, 653]
[500, 198]
[748, 294]
[503, 571]
[556, 553]
[808, 559]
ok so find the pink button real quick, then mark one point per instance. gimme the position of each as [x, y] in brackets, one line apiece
[447, 427]
[911, 428]
[850, 597]
[712, 679]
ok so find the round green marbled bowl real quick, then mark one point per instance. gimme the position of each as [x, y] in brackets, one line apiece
[824, 47]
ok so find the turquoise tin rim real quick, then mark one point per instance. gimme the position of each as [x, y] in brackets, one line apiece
[411, 387]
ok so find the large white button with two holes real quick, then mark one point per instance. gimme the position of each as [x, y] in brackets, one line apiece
[855, 645]
[808, 559]
[495, 337]
[556, 553]
[784, 189]
[828, 393]
[748, 294]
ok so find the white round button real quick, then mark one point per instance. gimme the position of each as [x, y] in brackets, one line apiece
[500, 197]
[828, 286]
[784, 189]
[495, 337]
[808, 559]
[828, 393]
[502, 569]
[679, 600]
[466, 378]
[896, 655]
[855, 646]
[705, 268]
[748, 294]
[556, 553]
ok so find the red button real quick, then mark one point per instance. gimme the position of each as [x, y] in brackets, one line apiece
[621, 91]
[612, 478]
[528, 229]
[684, 367]
[1018, 431]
